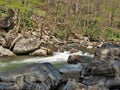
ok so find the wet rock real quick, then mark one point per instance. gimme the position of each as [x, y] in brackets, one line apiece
[92, 80]
[71, 71]
[109, 52]
[74, 59]
[97, 87]
[39, 52]
[114, 83]
[31, 77]
[73, 50]
[89, 47]
[74, 85]
[26, 46]
[6, 52]
[42, 52]
[71, 68]
[49, 51]
[61, 49]
[101, 68]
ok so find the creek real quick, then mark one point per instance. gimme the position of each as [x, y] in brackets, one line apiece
[58, 59]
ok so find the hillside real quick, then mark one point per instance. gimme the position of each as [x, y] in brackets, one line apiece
[64, 19]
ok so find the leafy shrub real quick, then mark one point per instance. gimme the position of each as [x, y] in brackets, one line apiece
[60, 34]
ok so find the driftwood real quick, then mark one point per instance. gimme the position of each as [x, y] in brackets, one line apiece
[15, 40]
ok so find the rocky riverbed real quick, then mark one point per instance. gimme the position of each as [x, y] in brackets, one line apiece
[99, 73]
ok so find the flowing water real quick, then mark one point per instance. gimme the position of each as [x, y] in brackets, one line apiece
[57, 59]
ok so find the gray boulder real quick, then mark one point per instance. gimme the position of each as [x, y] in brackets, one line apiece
[74, 59]
[26, 46]
[31, 77]
[74, 85]
[109, 52]
[101, 68]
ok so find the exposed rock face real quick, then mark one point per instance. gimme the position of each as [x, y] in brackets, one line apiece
[108, 52]
[6, 52]
[74, 59]
[26, 46]
[32, 77]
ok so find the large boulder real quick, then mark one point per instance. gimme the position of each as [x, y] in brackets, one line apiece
[6, 52]
[101, 68]
[108, 52]
[31, 77]
[26, 46]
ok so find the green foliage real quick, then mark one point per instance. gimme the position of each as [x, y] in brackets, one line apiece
[108, 33]
[24, 9]
[30, 23]
[4, 13]
[60, 34]
[112, 34]
[93, 33]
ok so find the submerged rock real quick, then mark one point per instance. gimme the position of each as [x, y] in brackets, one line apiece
[31, 77]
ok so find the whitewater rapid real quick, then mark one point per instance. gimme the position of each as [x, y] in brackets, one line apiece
[56, 57]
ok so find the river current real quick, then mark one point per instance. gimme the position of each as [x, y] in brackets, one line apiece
[57, 59]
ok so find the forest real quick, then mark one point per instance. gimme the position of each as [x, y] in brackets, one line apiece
[59, 44]
[97, 19]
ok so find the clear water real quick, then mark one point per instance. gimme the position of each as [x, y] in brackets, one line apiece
[58, 59]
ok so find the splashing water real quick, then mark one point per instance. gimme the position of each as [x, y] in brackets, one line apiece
[57, 57]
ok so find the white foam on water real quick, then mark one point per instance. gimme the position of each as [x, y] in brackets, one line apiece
[57, 57]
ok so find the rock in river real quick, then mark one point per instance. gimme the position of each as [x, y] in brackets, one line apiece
[26, 46]
[74, 59]
[31, 77]
[108, 52]
[6, 52]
